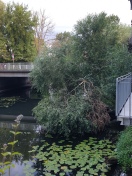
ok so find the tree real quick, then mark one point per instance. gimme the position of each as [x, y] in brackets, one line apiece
[62, 44]
[2, 8]
[3, 51]
[43, 30]
[124, 33]
[98, 56]
[94, 36]
[78, 112]
[17, 28]
[119, 62]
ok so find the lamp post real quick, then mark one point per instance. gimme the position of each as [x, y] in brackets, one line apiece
[12, 55]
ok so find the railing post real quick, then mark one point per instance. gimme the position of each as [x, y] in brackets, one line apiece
[16, 66]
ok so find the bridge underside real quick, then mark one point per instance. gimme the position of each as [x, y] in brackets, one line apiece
[10, 83]
[24, 74]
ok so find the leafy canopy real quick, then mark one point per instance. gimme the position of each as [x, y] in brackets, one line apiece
[94, 55]
[17, 29]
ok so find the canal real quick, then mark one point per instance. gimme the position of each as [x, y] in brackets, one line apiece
[12, 104]
[22, 101]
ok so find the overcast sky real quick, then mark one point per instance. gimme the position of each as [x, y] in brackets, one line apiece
[65, 13]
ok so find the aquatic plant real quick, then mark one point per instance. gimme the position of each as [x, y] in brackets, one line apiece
[8, 155]
[85, 158]
[8, 101]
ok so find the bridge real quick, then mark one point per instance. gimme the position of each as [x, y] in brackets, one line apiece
[15, 69]
[124, 99]
[14, 75]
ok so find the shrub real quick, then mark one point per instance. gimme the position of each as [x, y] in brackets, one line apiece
[124, 149]
[78, 112]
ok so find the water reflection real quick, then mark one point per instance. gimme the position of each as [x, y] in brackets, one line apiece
[22, 127]
[18, 170]
[17, 102]
[28, 138]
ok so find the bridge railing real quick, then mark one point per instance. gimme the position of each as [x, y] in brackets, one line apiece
[123, 91]
[16, 66]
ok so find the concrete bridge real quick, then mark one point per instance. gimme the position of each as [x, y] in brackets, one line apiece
[15, 69]
[14, 75]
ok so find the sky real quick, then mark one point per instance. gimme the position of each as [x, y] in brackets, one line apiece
[65, 13]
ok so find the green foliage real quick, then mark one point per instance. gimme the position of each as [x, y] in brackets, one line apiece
[124, 149]
[78, 112]
[119, 62]
[17, 29]
[101, 46]
[96, 56]
[94, 36]
[86, 157]
[63, 44]
[3, 51]
[87, 53]
[2, 7]
[48, 71]
[124, 33]
[63, 119]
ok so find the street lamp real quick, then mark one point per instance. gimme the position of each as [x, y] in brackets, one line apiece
[12, 55]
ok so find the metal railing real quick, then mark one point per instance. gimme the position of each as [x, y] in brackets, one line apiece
[16, 66]
[123, 91]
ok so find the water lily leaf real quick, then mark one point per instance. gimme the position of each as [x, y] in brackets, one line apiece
[103, 174]
[48, 174]
[61, 141]
[56, 170]
[61, 161]
[79, 173]
[83, 168]
[48, 136]
[73, 166]
[86, 155]
[91, 171]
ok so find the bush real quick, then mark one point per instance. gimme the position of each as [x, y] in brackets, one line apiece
[78, 112]
[124, 149]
